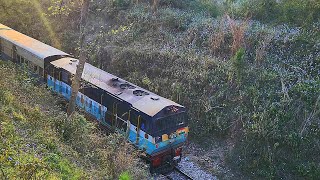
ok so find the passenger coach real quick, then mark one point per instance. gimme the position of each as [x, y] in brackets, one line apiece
[22, 49]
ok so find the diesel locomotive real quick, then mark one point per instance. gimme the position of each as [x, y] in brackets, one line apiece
[155, 125]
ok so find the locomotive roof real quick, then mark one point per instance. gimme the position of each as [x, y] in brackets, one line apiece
[34, 46]
[149, 103]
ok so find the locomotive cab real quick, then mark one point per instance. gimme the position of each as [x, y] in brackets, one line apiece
[169, 121]
[170, 131]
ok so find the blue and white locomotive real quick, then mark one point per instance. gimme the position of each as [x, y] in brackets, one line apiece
[155, 125]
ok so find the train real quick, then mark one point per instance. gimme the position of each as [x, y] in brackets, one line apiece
[156, 126]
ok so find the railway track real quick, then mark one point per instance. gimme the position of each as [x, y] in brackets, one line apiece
[181, 174]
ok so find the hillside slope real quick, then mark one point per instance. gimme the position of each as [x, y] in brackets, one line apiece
[247, 70]
[38, 142]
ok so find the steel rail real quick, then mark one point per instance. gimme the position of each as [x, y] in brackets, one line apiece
[176, 169]
[182, 173]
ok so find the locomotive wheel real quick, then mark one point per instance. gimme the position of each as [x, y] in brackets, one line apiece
[167, 164]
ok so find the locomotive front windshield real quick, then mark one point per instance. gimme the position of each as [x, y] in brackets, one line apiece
[171, 122]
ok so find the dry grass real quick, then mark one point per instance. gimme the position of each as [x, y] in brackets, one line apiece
[238, 31]
[217, 39]
[219, 43]
[261, 50]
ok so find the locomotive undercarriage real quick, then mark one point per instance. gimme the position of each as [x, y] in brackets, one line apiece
[164, 161]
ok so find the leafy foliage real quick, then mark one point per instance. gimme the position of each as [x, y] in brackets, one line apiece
[293, 12]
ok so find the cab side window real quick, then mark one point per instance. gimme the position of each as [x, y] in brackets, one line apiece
[64, 76]
[40, 71]
[143, 124]
[57, 74]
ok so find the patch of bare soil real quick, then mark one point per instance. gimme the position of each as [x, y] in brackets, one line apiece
[212, 158]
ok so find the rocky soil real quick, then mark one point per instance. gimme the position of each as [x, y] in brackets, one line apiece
[204, 163]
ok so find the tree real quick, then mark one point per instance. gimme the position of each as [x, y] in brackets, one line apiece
[82, 59]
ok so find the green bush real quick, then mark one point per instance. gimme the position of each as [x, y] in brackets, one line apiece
[125, 176]
[174, 19]
[120, 3]
[238, 64]
[293, 12]
[209, 7]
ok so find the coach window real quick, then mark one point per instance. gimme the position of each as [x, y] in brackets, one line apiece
[40, 71]
[35, 68]
[18, 58]
[86, 103]
[90, 104]
[30, 64]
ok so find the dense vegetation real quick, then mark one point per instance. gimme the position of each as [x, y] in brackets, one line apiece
[249, 71]
[37, 141]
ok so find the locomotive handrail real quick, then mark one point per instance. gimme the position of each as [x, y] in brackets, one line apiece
[138, 130]
[101, 99]
[128, 124]
[114, 112]
[128, 129]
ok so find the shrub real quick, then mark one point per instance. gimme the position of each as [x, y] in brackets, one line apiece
[205, 6]
[293, 12]
[125, 176]
[238, 65]
[120, 3]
